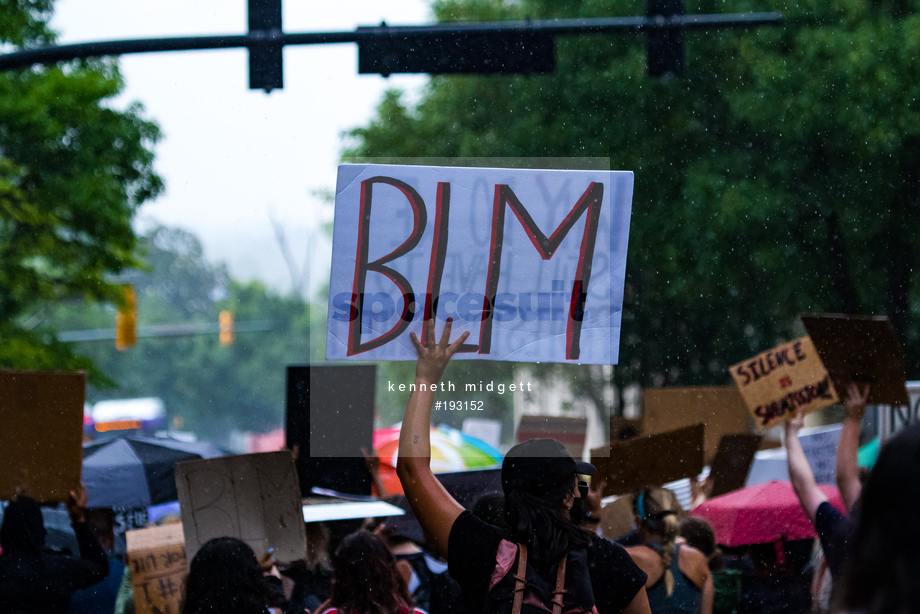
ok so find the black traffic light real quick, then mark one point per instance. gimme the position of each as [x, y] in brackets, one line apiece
[665, 46]
[265, 70]
[455, 52]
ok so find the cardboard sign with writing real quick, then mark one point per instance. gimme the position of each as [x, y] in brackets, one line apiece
[776, 383]
[860, 349]
[651, 460]
[720, 408]
[41, 434]
[253, 497]
[571, 431]
[156, 558]
[733, 462]
[531, 262]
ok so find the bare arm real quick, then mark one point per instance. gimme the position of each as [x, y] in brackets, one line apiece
[709, 595]
[433, 506]
[848, 448]
[639, 604]
[800, 473]
[372, 462]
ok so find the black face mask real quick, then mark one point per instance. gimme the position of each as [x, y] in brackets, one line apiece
[579, 513]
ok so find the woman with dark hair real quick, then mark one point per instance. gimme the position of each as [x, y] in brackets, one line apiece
[543, 512]
[224, 576]
[726, 583]
[884, 565]
[679, 581]
[366, 579]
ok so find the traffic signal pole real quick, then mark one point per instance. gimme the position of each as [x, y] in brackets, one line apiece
[396, 43]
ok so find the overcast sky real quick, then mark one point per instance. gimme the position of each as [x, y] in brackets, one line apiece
[233, 158]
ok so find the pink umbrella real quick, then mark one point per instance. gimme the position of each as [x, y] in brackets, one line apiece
[761, 514]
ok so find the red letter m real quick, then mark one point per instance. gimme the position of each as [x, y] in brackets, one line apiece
[590, 201]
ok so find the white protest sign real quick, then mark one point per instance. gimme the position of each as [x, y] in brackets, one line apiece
[820, 447]
[253, 497]
[531, 262]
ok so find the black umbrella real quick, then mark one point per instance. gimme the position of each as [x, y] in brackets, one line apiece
[136, 472]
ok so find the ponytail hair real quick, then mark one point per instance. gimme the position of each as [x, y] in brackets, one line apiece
[661, 519]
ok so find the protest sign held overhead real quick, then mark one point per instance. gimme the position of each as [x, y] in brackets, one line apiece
[650, 460]
[776, 383]
[253, 497]
[720, 408]
[732, 462]
[531, 262]
[156, 558]
[861, 349]
[41, 434]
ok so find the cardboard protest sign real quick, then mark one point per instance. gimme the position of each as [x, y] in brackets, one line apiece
[622, 428]
[156, 558]
[860, 349]
[651, 460]
[732, 463]
[720, 408]
[531, 262]
[776, 383]
[254, 497]
[41, 434]
[571, 431]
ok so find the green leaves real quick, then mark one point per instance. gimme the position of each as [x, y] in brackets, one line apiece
[779, 177]
[73, 172]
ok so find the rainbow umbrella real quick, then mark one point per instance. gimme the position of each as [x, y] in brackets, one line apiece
[451, 450]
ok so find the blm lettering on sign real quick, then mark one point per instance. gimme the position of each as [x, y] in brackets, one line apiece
[530, 262]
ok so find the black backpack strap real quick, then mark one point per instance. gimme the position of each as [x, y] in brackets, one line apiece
[559, 593]
[520, 581]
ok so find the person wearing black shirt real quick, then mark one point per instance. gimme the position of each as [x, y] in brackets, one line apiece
[543, 509]
[33, 581]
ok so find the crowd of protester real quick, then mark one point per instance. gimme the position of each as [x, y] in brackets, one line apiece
[537, 546]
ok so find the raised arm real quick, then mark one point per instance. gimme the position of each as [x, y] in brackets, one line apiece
[848, 448]
[433, 506]
[800, 473]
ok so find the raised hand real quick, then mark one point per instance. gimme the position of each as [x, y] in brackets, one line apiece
[434, 356]
[794, 425]
[76, 505]
[595, 494]
[855, 404]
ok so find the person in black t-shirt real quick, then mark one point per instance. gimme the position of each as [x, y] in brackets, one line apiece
[834, 528]
[542, 510]
[33, 580]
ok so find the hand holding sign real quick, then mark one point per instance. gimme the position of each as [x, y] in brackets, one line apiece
[76, 505]
[433, 357]
[855, 403]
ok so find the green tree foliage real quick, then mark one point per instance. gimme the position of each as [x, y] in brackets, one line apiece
[73, 172]
[780, 176]
[212, 389]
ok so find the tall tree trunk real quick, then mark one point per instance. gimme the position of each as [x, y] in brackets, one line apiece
[844, 287]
